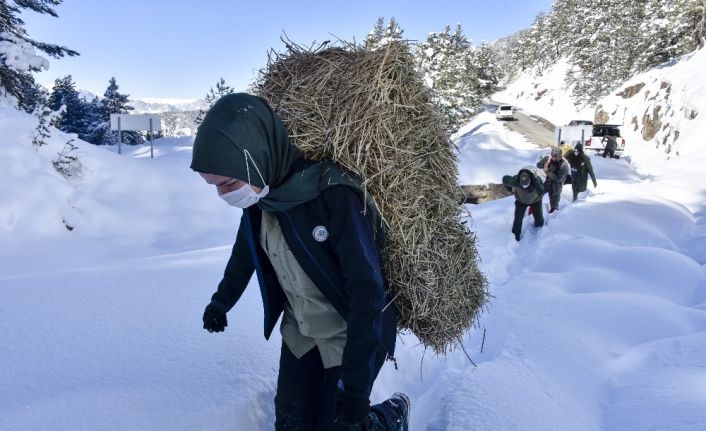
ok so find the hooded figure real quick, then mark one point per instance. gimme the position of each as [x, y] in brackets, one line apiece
[528, 188]
[581, 168]
[312, 236]
[556, 169]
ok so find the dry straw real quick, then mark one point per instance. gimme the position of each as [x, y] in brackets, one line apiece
[369, 111]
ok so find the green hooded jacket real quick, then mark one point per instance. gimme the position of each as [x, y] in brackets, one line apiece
[531, 194]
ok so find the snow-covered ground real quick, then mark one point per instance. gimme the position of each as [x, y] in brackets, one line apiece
[598, 320]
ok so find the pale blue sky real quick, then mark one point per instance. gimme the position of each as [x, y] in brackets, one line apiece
[178, 49]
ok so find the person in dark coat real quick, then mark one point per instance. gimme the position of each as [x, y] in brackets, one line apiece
[581, 168]
[311, 236]
[611, 145]
[529, 190]
[556, 168]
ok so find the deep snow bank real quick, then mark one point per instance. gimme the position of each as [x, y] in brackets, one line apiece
[126, 205]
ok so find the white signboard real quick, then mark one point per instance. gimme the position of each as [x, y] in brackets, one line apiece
[136, 122]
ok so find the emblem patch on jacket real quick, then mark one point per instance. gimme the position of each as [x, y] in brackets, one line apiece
[320, 233]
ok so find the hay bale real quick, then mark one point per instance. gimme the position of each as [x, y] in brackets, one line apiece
[370, 112]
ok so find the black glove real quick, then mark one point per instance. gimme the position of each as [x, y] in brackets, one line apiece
[214, 319]
[351, 410]
[595, 184]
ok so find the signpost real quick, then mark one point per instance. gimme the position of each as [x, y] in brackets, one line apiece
[137, 123]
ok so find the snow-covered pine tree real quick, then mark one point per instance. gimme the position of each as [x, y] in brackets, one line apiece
[605, 41]
[508, 54]
[382, 34]
[540, 52]
[487, 68]
[375, 35]
[212, 97]
[446, 61]
[95, 123]
[44, 116]
[671, 28]
[76, 115]
[17, 55]
[522, 51]
[605, 57]
[32, 95]
[113, 102]
[561, 29]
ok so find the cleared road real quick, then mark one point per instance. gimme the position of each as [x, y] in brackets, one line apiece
[536, 129]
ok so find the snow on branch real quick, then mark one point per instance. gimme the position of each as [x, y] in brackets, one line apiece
[19, 55]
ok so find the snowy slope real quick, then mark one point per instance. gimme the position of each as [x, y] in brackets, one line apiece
[598, 320]
[127, 205]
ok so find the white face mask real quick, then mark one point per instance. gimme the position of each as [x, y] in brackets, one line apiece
[245, 196]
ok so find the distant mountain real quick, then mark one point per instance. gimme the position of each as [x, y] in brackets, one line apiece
[87, 95]
[178, 115]
[152, 105]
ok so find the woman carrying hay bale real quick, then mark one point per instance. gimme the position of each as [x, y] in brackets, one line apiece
[312, 238]
[371, 113]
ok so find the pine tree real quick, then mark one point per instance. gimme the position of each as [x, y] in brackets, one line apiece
[446, 61]
[487, 67]
[521, 56]
[75, 112]
[605, 41]
[382, 35]
[375, 35]
[113, 102]
[670, 29]
[98, 131]
[212, 97]
[509, 56]
[45, 117]
[31, 95]
[15, 69]
[608, 57]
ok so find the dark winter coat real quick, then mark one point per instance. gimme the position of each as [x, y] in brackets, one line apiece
[581, 168]
[345, 266]
[242, 137]
[531, 194]
[555, 175]
[611, 144]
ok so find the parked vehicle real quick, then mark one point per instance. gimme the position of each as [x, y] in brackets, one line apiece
[580, 123]
[598, 138]
[593, 136]
[505, 112]
[572, 134]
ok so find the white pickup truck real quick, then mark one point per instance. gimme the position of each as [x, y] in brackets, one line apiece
[599, 138]
[593, 136]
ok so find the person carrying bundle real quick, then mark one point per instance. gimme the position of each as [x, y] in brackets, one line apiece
[529, 190]
[306, 236]
[556, 168]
